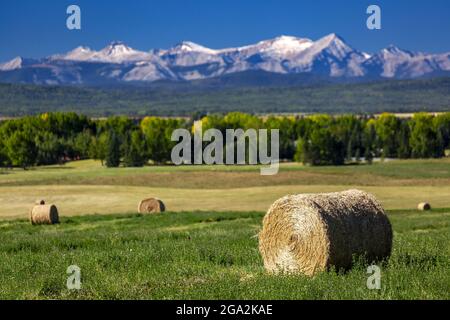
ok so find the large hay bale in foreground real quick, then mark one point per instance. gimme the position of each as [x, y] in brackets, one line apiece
[424, 206]
[151, 205]
[308, 233]
[44, 214]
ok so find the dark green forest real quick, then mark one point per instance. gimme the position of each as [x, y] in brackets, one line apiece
[184, 99]
[54, 138]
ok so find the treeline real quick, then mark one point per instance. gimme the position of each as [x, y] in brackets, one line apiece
[235, 94]
[53, 138]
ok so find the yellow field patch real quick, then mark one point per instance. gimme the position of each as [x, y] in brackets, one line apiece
[80, 199]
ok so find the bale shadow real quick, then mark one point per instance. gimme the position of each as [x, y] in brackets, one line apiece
[359, 262]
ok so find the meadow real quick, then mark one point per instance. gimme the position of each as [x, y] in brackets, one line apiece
[85, 187]
[206, 246]
[204, 255]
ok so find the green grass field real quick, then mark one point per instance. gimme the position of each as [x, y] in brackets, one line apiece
[206, 246]
[203, 255]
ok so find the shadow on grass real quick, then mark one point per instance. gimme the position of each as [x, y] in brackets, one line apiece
[62, 167]
[6, 171]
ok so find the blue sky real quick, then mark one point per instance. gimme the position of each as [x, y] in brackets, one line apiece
[38, 28]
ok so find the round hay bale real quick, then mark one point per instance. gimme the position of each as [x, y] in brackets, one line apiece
[151, 205]
[39, 202]
[44, 214]
[308, 233]
[424, 206]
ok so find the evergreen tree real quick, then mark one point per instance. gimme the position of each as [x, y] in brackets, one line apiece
[440, 144]
[368, 156]
[134, 150]
[404, 150]
[350, 150]
[369, 139]
[3, 157]
[112, 150]
[358, 155]
[49, 149]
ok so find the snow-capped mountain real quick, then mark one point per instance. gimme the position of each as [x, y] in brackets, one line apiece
[329, 57]
[189, 47]
[116, 52]
[188, 61]
[14, 64]
[394, 62]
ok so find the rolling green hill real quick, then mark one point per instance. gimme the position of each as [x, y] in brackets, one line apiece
[238, 93]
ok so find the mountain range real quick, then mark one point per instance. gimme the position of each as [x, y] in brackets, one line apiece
[328, 58]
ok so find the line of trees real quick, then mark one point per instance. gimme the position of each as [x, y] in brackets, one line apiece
[53, 138]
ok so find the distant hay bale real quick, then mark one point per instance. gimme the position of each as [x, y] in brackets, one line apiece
[44, 214]
[308, 233]
[39, 202]
[151, 205]
[424, 206]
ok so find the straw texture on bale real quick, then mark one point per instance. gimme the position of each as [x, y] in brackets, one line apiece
[151, 205]
[309, 233]
[424, 206]
[44, 214]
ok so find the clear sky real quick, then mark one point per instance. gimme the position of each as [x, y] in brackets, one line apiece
[32, 28]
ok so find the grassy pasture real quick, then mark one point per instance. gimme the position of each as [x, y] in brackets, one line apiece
[88, 199]
[84, 187]
[206, 246]
[90, 172]
[205, 255]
